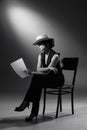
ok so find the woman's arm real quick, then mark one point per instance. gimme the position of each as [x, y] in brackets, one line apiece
[40, 68]
[51, 66]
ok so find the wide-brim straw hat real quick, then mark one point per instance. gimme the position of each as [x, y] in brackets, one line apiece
[44, 40]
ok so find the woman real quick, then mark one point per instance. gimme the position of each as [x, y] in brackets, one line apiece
[48, 75]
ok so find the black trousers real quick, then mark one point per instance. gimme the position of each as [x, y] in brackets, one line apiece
[38, 83]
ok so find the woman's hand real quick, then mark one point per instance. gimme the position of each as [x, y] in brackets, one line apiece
[28, 72]
[55, 70]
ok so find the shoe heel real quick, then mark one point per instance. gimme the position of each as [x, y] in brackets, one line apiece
[31, 117]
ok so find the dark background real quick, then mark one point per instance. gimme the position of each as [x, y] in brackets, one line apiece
[67, 21]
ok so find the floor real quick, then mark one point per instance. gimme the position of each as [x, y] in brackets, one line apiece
[10, 120]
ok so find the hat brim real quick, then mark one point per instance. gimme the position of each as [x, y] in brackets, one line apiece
[43, 41]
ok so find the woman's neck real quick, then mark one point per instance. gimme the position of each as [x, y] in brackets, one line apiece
[47, 51]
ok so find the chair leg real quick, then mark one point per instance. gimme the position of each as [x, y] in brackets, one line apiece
[44, 101]
[72, 100]
[58, 103]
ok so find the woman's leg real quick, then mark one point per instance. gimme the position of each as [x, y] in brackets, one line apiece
[33, 95]
[34, 92]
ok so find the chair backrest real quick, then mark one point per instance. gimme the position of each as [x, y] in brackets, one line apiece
[70, 63]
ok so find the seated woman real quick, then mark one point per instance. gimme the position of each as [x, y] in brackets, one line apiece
[49, 75]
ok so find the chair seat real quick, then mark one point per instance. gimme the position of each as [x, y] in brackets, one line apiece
[67, 86]
[66, 89]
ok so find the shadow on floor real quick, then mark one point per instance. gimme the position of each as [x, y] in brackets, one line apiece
[9, 122]
[20, 121]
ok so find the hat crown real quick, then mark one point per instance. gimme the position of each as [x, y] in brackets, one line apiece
[40, 37]
[45, 40]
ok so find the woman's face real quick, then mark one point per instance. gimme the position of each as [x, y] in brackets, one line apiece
[42, 47]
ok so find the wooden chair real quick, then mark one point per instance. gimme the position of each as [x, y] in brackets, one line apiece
[69, 64]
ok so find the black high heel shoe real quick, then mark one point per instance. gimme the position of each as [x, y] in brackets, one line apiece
[22, 106]
[31, 117]
[34, 112]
